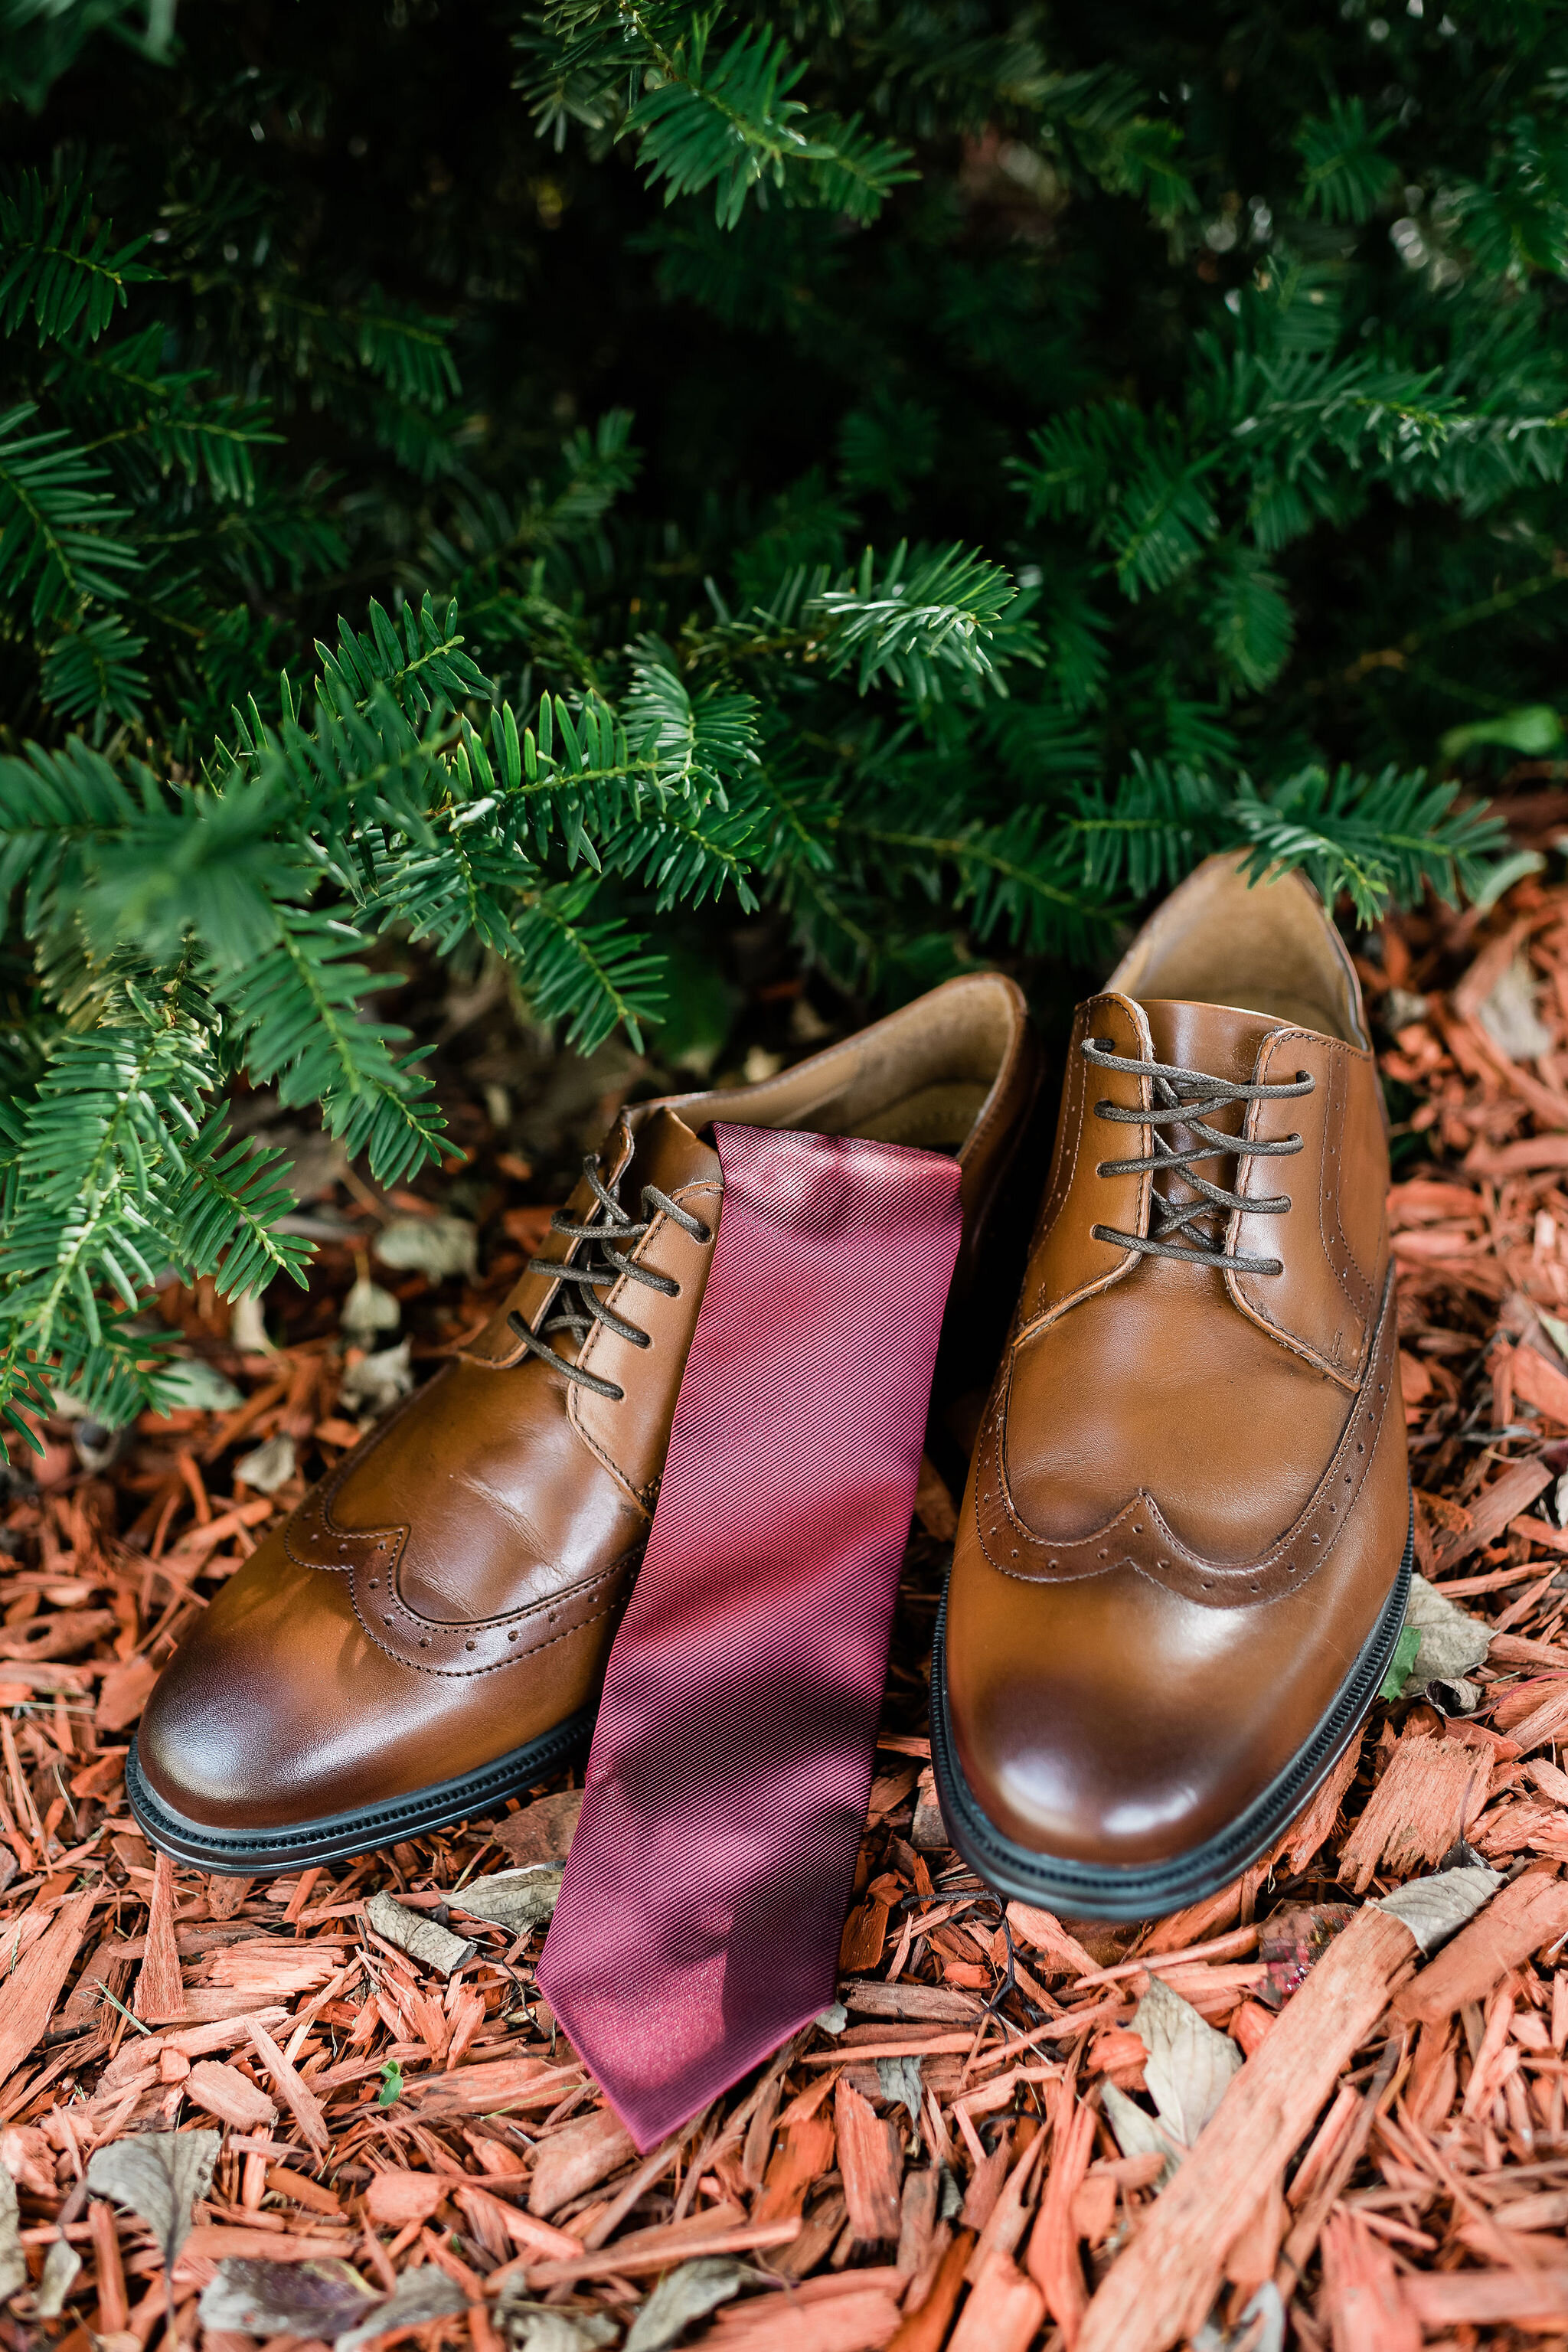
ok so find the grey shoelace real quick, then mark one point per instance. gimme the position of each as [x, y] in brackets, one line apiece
[601, 1245]
[1185, 1098]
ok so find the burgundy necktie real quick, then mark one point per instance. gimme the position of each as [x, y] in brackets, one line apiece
[705, 1889]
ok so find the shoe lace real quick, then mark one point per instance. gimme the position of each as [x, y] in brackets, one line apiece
[1186, 1098]
[597, 1261]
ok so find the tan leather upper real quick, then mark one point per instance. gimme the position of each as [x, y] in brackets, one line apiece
[1189, 1497]
[449, 1592]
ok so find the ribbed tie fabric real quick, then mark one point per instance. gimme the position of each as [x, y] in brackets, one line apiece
[699, 1917]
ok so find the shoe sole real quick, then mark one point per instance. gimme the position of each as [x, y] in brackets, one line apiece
[1149, 1891]
[333, 1837]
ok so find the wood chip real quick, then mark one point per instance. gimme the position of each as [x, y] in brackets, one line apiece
[804, 2154]
[577, 2159]
[160, 1987]
[1162, 2286]
[1002, 2314]
[1053, 2257]
[1430, 1791]
[33, 1985]
[643, 2252]
[224, 2091]
[862, 2320]
[1042, 1932]
[871, 2161]
[1490, 2298]
[1524, 1918]
[296, 2094]
[1489, 1512]
[393, 2199]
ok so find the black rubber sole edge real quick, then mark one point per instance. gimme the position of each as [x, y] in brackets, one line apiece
[332, 1837]
[1091, 1891]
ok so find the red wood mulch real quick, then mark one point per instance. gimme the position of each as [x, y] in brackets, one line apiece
[954, 2164]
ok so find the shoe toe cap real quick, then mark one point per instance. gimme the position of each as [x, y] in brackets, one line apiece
[1112, 1723]
[267, 1713]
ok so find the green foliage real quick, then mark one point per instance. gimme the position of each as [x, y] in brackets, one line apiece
[1372, 839]
[916, 479]
[707, 117]
[1402, 1664]
[1346, 170]
[60, 267]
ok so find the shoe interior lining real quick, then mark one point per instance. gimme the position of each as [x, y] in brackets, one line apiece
[922, 1078]
[1267, 947]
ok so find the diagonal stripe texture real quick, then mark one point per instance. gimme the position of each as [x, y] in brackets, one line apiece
[705, 1889]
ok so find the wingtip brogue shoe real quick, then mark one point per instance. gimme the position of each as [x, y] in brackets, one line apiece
[1183, 1552]
[427, 1632]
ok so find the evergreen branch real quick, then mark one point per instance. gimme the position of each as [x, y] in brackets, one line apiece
[297, 1008]
[1143, 832]
[688, 854]
[1012, 877]
[722, 119]
[226, 1217]
[910, 628]
[598, 975]
[53, 511]
[402, 347]
[98, 1155]
[695, 749]
[727, 125]
[1346, 172]
[1378, 838]
[55, 265]
[94, 671]
[852, 172]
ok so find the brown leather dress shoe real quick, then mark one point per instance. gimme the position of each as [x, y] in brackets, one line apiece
[426, 1635]
[1178, 1582]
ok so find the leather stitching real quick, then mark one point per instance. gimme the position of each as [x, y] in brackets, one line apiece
[1357, 1289]
[462, 1674]
[312, 1517]
[1336, 1247]
[1138, 1535]
[1075, 1113]
[1250, 1299]
[466, 1631]
[1072, 1123]
[632, 1493]
[711, 1187]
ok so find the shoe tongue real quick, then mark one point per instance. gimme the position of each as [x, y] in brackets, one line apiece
[667, 1155]
[663, 1153]
[1221, 1040]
